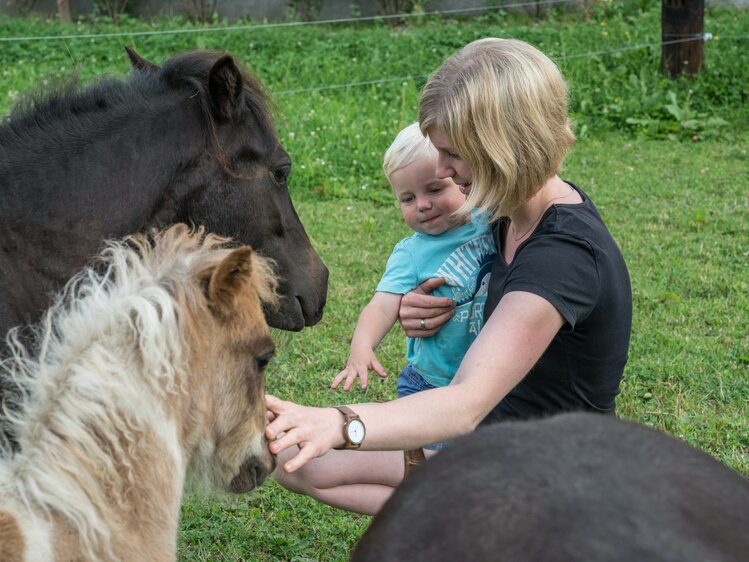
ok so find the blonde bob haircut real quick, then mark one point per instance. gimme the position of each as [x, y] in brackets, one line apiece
[502, 104]
[409, 145]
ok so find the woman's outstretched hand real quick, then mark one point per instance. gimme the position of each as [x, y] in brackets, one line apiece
[314, 430]
[421, 315]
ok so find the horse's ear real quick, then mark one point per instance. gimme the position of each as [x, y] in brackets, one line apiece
[139, 63]
[225, 85]
[227, 281]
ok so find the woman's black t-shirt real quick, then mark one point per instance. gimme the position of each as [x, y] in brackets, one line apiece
[572, 261]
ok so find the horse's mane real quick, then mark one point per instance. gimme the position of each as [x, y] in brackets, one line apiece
[105, 356]
[66, 113]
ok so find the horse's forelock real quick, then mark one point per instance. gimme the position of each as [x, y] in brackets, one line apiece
[185, 68]
[191, 70]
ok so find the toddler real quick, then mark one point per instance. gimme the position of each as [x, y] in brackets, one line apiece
[446, 243]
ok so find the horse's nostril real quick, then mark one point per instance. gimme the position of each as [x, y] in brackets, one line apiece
[262, 471]
[255, 477]
[311, 310]
[249, 477]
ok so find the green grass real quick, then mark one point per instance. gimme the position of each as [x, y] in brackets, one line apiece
[678, 208]
[678, 211]
[270, 525]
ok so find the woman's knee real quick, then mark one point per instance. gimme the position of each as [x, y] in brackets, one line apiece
[341, 468]
[291, 481]
[305, 480]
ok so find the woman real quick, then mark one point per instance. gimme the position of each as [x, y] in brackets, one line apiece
[559, 308]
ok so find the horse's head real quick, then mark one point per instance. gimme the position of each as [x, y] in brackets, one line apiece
[237, 182]
[230, 346]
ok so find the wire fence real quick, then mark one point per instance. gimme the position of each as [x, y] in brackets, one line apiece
[457, 11]
[684, 39]
[261, 26]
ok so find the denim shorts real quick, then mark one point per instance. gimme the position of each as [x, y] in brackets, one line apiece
[410, 382]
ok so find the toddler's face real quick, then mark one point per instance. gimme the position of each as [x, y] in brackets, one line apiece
[426, 201]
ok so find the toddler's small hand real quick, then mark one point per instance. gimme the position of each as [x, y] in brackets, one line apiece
[359, 364]
[349, 375]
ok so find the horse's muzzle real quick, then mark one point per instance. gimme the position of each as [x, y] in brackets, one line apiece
[251, 474]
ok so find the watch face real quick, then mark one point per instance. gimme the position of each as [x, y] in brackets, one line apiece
[356, 431]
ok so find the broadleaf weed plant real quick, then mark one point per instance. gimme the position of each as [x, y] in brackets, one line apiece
[673, 120]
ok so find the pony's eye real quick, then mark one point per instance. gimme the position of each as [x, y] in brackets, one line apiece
[262, 360]
[281, 174]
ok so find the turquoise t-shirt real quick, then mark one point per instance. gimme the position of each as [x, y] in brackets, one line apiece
[463, 256]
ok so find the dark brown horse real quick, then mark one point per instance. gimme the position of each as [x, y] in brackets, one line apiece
[191, 141]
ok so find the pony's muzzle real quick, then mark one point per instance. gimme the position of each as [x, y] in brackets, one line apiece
[252, 474]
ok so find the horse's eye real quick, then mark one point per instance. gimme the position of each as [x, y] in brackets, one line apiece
[282, 173]
[262, 360]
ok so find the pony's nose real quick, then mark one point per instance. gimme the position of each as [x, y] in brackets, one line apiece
[252, 474]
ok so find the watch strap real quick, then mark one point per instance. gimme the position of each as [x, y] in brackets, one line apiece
[348, 415]
[347, 412]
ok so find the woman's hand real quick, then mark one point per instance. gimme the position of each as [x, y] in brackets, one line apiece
[314, 430]
[421, 315]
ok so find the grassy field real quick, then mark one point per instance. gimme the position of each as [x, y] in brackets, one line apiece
[679, 212]
[678, 208]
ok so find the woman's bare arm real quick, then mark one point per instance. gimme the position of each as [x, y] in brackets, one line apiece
[513, 339]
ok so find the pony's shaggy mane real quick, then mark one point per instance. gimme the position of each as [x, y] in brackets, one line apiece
[104, 357]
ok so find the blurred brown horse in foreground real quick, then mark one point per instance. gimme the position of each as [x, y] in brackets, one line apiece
[569, 488]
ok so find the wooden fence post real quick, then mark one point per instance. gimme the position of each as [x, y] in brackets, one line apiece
[63, 10]
[680, 21]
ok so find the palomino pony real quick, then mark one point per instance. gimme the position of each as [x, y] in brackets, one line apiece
[149, 366]
[189, 142]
